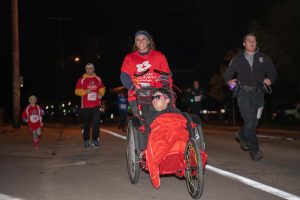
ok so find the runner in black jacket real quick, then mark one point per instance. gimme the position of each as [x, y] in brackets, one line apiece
[252, 69]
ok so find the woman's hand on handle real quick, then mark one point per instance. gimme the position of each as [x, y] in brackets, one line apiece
[267, 81]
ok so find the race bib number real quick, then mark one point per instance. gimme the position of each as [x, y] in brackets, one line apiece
[145, 84]
[92, 96]
[197, 98]
[123, 106]
[259, 112]
[34, 118]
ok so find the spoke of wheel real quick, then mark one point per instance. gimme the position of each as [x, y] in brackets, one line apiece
[191, 160]
[190, 177]
[192, 186]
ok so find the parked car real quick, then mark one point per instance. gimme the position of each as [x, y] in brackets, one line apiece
[287, 112]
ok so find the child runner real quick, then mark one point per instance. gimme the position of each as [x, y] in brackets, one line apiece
[32, 115]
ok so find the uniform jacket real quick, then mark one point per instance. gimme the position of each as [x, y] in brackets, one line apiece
[262, 68]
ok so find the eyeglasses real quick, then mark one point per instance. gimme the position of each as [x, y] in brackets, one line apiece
[157, 97]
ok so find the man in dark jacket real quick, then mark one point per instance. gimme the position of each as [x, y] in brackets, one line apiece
[253, 70]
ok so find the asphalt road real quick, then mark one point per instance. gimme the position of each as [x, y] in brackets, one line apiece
[61, 169]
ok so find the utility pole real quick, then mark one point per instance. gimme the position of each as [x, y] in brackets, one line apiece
[15, 64]
[60, 55]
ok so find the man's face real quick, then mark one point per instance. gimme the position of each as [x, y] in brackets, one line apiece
[196, 84]
[89, 71]
[250, 43]
[160, 101]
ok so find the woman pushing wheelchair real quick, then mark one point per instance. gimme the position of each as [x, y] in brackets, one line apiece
[160, 138]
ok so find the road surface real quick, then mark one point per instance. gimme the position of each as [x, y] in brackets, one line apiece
[62, 169]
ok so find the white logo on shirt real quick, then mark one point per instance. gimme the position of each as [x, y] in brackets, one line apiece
[261, 59]
[92, 85]
[143, 67]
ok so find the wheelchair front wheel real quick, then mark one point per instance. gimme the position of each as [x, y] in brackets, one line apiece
[133, 166]
[194, 174]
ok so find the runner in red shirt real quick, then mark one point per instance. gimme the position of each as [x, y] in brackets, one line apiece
[91, 90]
[32, 115]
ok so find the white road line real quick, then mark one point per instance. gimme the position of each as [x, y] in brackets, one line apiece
[70, 164]
[254, 184]
[275, 137]
[236, 177]
[114, 134]
[6, 197]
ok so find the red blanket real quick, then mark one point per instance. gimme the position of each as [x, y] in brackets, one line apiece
[168, 136]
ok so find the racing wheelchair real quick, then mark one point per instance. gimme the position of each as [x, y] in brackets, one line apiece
[184, 157]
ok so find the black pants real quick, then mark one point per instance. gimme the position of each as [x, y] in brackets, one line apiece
[250, 102]
[122, 119]
[146, 119]
[89, 114]
[195, 109]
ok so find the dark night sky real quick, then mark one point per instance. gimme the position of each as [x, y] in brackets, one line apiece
[194, 35]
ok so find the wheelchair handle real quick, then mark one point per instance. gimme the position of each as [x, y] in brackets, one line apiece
[161, 72]
[155, 70]
[142, 73]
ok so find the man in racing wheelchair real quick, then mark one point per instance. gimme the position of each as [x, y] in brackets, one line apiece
[167, 132]
[163, 140]
[160, 102]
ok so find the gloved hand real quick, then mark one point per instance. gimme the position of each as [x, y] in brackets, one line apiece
[135, 81]
[232, 83]
[25, 120]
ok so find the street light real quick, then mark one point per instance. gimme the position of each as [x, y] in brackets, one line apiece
[21, 81]
[76, 59]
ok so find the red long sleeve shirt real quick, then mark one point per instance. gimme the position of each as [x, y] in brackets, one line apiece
[94, 84]
[34, 116]
[134, 63]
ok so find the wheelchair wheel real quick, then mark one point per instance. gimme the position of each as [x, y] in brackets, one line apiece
[194, 169]
[133, 166]
[198, 134]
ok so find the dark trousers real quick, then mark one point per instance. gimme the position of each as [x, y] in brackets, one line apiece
[195, 109]
[250, 102]
[89, 114]
[123, 119]
[147, 111]
[146, 119]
